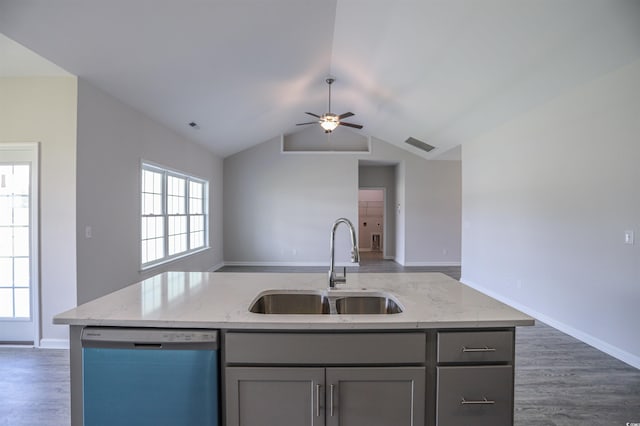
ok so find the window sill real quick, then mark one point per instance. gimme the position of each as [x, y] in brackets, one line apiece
[163, 262]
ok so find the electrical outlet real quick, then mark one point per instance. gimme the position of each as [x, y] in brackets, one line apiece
[628, 237]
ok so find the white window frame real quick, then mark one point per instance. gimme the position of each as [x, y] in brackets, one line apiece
[166, 173]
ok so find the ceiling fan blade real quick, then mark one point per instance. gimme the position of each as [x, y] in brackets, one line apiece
[312, 114]
[345, 115]
[355, 126]
[310, 122]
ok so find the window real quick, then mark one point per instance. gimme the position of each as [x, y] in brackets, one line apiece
[174, 215]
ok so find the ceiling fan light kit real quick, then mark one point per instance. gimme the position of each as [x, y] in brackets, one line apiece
[330, 121]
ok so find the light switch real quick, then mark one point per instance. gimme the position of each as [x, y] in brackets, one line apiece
[87, 232]
[628, 237]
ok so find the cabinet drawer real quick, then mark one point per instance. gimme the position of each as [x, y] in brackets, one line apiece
[475, 346]
[325, 348]
[475, 395]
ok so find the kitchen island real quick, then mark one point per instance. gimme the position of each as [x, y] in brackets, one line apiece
[409, 365]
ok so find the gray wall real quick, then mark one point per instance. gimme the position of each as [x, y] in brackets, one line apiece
[546, 201]
[112, 140]
[279, 208]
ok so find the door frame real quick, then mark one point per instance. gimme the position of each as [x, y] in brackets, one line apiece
[33, 148]
[384, 214]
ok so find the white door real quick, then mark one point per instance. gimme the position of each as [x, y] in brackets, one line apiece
[18, 242]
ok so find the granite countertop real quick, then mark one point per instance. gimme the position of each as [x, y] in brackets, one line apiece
[222, 300]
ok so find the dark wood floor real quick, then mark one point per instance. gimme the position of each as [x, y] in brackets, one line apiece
[560, 381]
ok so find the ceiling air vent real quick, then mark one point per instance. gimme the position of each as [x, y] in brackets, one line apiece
[419, 144]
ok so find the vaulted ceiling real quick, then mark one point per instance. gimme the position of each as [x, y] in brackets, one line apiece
[442, 71]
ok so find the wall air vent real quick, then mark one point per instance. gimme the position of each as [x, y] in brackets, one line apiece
[419, 144]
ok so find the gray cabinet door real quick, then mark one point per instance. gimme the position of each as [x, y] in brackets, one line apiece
[377, 396]
[274, 396]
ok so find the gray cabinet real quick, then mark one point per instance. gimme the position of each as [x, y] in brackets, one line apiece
[298, 396]
[257, 396]
[478, 395]
[333, 379]
[424, 378]
[378, 396]
[474, 378]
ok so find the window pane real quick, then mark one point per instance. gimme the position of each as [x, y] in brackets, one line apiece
[6, 217]
[21, 241]
[159, 221]
[196, 239]
[22, 303]
[177, 234]
[21, 216]
[6, 272]
[21, 272]
[6, 177]
[159, 248]
[6, 241]
[6, 302]
[196, 196]
[21, 179]
[196, 223]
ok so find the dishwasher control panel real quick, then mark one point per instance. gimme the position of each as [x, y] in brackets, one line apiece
[148, 337]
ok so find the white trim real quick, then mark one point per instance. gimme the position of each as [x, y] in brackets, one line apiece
[436, 263]
[166, 172]
[33, 149]
[283, 151]
[54, 344]
[216, 267]
[614, 351]
[364, 249]
[294, 264]
[389, 258]
[385, 226]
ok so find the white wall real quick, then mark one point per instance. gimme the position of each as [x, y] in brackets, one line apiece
[546, 200]
[279, 208]
[43, 109]
[113, 138]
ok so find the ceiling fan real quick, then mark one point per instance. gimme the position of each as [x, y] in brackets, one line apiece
[329, 121]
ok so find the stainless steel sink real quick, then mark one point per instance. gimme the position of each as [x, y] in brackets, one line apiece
[355, 305]
[319, 302]
[291, 302]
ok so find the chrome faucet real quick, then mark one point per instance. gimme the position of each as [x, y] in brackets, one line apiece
[355, 256]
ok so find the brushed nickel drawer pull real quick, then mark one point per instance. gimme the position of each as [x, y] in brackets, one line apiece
[483, 401]
[331, 400]
[317, 400]
[483, 349]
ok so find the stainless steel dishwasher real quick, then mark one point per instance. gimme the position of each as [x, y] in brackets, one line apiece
[144, 376]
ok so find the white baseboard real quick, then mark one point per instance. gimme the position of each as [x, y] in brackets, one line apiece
[614, 351]
[293, 264]
[364, 249]
[54, 343]
[216, 267]
[432, 263]
[389, 258]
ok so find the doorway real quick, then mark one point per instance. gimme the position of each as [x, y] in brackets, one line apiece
[18, 242]
[371, 229]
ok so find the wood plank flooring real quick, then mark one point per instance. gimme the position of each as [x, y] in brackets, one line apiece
[559, 381]
[34, 387]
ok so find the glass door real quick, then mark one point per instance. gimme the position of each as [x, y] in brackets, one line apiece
[18, 243]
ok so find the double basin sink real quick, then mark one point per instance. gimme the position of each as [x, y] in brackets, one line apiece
[319, 302]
